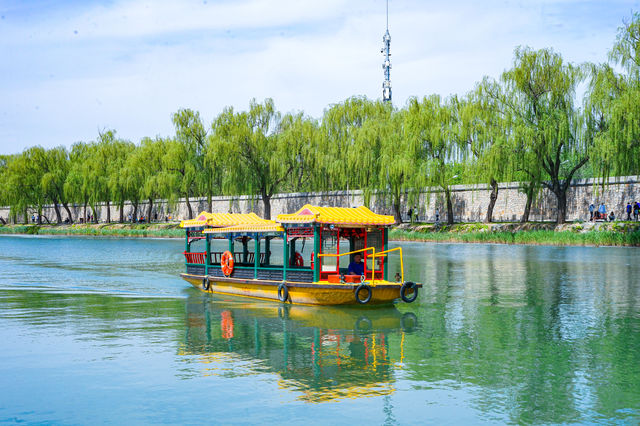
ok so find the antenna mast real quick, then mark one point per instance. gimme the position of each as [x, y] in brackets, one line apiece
[386, 65]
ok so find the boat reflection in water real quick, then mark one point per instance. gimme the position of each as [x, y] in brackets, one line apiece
[324, 353]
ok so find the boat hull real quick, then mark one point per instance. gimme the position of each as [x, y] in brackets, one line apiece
[384, 292]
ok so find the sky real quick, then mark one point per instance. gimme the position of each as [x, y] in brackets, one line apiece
[71, 69]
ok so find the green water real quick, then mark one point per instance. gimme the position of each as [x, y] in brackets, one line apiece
[100, 330]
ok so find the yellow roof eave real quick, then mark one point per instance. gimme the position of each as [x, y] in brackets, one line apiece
[359, 216]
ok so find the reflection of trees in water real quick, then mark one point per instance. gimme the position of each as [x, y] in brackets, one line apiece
[323, 353]
[522, 346]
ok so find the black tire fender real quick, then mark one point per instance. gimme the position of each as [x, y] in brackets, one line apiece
[369, 294]
[283, 292]
[409, 285]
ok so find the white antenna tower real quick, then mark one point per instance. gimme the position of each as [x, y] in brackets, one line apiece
[386, 65]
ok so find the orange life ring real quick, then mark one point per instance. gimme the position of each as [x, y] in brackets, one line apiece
[298, 261]
[227, 263]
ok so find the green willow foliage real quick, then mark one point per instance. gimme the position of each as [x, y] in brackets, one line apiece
[525, 125]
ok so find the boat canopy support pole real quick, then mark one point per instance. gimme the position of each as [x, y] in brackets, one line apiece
[385, 245]
[316, 251]
[207, 259]
[186, 247]
[245, 249]
[285, 256]
[256, 257]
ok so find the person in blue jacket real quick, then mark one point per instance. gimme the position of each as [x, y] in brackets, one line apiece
[356, 267]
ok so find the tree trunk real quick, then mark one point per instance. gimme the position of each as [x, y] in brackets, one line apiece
[108, 212]
[122, 212]
[210, 202]
[26, 217]
[527, 206]
[56, 208]
[396, 212]
[135, 211]
[150, 207]
[493, 197]
[186, 199]
[39, 215]
[447, 193]
[562, 206]
[66, 207]
[94, 213]
[266, 201]
[84, 217]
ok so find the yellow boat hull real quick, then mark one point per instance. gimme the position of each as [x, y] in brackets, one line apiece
[320, 293]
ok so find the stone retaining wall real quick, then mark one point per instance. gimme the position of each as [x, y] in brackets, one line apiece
[469, 203]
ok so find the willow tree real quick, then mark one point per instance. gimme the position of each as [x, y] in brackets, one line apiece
[119, 189]
[196, 174]
[145, 168]
[430, 122]
[96, 170]
[300, 135]
[540, 97]
[257, 160]
[24, 182]
[76, 187]
[397, 164]
[612, 105]
[340, 126]
[55, 164]
[480, 124]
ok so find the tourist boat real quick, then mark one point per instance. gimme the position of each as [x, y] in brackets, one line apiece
[332, 237]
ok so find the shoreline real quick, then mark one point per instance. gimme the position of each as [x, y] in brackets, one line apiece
[621, 234]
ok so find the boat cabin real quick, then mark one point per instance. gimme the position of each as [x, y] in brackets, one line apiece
[313, 245]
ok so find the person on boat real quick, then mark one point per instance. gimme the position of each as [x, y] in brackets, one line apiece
[356, 267]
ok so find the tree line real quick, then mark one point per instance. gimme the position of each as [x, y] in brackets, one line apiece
[527, 125]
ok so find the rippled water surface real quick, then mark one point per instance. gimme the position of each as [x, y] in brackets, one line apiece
[104, 330]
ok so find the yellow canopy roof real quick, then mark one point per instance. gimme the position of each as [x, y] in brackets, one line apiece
[267, 226]
[359, 216]
[221, 219]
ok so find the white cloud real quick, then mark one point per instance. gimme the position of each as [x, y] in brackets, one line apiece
[131, 65]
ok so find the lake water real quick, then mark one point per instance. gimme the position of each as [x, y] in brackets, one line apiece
[100, 330]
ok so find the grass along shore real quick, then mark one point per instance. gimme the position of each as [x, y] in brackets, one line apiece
[156, 230]
[570, 234]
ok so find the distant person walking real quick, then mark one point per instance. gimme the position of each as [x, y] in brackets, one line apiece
[636, 210]
[592, 208]
[612, 216]
[437, 216]
[629, 211]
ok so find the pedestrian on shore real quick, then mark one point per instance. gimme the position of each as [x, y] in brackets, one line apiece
[612, 216]
[592, 208]
[636, 210]
[437, 216]
[628, 211]
[410, 214]
[602, 212]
